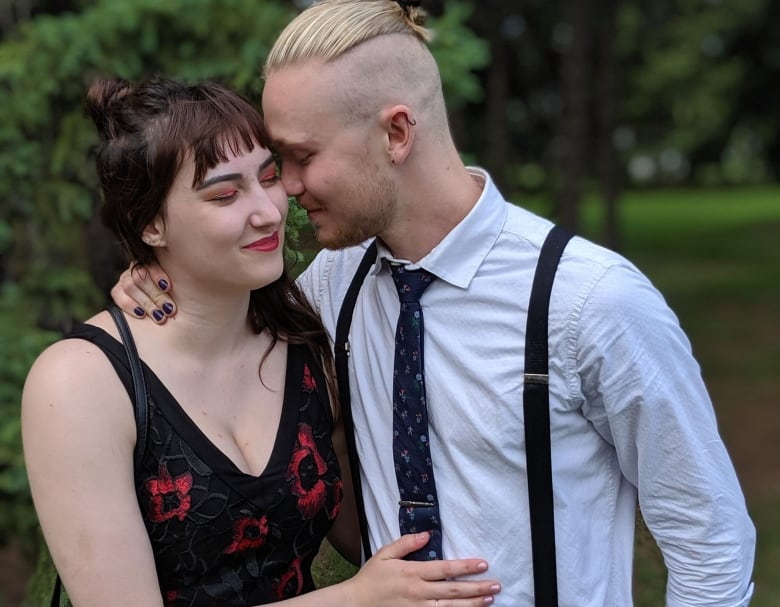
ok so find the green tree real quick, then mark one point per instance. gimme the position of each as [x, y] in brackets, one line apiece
[686, 87]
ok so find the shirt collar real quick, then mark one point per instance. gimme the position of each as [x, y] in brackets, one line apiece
[458, 256]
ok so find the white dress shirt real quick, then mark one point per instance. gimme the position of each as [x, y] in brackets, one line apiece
[630, 416]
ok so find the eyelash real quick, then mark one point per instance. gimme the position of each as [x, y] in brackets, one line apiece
[271, 180]
[266, 181]
[225, 196]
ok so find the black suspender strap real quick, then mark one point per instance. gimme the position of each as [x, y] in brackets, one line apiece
[342, 353]
[536, 413]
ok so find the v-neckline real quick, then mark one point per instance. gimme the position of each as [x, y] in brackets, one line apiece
[217, 459]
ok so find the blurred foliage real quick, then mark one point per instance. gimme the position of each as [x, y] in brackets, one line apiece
[690, 71]
[20, 343]
[692, 82]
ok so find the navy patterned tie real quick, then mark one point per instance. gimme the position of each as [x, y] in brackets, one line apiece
[418, 507]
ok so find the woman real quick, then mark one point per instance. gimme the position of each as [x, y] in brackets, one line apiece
[242, 473]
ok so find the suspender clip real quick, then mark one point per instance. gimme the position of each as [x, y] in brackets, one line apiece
[536, 378]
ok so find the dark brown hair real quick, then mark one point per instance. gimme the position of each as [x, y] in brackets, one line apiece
[146, 131]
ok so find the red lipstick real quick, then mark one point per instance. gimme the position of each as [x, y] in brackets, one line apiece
[271, 243]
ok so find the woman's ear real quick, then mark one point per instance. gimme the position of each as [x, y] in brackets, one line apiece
[399, 126]
[154, 233]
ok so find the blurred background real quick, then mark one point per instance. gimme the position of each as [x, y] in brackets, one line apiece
[650, 127]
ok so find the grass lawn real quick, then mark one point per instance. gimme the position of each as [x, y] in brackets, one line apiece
[715, 254]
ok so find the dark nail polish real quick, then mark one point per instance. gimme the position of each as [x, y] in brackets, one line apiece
[162, 283]
[167, 308]
[139, 311]
[158, 316]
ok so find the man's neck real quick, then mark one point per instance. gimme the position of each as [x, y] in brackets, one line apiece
[433, 217]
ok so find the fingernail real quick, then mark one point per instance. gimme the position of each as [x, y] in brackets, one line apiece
[167, 308]
[488, 600]
[162, 283]
[158, 316]
[139, 311]
[495, 588]
[482, 566]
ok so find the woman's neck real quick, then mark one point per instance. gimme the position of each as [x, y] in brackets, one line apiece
[206, 325]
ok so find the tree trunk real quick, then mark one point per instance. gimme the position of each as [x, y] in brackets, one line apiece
[608, 168]
[571, 144]
[497, 93]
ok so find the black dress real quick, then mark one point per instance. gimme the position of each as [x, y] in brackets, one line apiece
[219, 535]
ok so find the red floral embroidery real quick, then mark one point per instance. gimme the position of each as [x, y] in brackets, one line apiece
[305, 474]
[171, 596]
[248, 533]
[309, 385]
[170, 496]
[291, 582]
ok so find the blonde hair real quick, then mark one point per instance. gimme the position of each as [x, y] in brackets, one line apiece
[330, 28]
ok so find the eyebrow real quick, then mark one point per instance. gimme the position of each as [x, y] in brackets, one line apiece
[232, 176]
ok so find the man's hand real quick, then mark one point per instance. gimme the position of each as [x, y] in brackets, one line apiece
[145, 291]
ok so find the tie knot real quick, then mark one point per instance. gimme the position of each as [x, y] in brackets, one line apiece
[410, 283]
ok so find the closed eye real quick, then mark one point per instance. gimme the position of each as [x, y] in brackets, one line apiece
[270, 177]
[298, 158]
[225, 196]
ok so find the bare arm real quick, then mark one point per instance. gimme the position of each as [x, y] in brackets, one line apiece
[78, 434]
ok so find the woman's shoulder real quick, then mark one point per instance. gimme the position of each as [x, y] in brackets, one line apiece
[69, 356]
[75, 377]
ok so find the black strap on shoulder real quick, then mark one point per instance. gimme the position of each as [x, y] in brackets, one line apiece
[139, 385]
[536, 412]
[55, 594]
[342, 353]
[141, 407]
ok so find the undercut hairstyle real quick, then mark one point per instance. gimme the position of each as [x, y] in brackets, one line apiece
[145, 132]
[329, 28]
[379, 54]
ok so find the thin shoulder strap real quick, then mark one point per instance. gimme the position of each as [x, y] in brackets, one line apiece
[536, 412]
[141, 408]
[139, 384]
[342, 353]
[56, 592]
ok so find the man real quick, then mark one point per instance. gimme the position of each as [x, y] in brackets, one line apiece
[354, 105]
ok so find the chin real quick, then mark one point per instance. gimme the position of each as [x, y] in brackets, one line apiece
[268, 278]
[339, 240]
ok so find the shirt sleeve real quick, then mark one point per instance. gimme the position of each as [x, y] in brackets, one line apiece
[645, 395]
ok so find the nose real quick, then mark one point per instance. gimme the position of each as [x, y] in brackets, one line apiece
[291, 179]
[269, 207]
